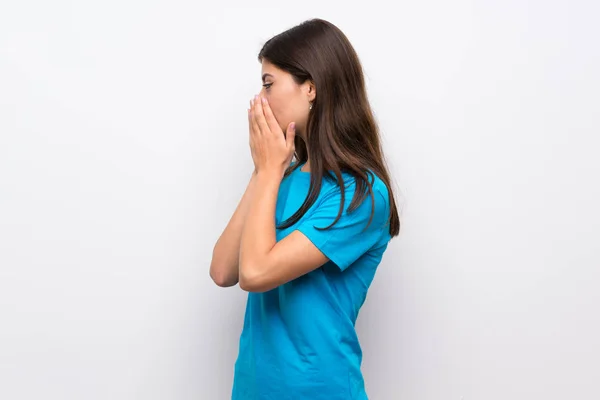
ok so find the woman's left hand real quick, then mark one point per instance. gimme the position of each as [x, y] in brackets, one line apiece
[272, 151]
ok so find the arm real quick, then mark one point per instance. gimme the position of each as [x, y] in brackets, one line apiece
[265, 264]
[224, 264]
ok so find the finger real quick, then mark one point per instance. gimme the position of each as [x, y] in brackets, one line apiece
[250, 128]
[290, 135]
[259, 116]
[270, 117]
[250, 120]
[254, 124]
[251, 124]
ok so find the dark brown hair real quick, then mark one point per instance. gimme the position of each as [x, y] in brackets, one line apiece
[342, 135]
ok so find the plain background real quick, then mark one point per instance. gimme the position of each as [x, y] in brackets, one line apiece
[124, 151]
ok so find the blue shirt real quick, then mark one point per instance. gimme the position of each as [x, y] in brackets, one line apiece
[299, 340]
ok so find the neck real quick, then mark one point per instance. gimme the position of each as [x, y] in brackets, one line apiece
[306, 167]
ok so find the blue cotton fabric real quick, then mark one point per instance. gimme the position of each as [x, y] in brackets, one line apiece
[299, 340]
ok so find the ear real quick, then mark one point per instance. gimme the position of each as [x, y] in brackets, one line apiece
[310, 90]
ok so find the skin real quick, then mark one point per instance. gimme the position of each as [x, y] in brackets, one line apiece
[288, 101]
[281, 106]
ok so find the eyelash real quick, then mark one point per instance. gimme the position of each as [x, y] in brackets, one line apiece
[267, 85]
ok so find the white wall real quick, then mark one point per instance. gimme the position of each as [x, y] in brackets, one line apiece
[123, 152]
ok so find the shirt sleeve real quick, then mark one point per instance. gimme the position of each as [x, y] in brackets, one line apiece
[350, 238]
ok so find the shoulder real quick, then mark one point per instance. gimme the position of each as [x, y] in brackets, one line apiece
[375, 204]
[332, 188]
[380, 188]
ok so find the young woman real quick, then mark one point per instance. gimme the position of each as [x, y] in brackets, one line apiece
[310, 230]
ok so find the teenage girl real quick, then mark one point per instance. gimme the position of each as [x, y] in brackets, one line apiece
[311, 228]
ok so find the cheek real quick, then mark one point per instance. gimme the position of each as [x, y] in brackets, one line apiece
[281, 102]
[277, 108]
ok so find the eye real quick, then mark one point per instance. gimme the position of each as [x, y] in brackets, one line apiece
[267, 85]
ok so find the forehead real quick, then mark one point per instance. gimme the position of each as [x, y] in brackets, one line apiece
[270, 69]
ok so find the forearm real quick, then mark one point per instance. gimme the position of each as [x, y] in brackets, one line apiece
[224, 265]
[258, 233]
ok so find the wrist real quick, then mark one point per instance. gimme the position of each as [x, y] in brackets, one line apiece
[269, 175]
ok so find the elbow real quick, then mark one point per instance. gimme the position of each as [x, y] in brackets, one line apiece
[220, 276]
[222, 281]
[251, 281]
[251, 286]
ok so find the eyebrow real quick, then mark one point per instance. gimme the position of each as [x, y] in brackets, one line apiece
[265, 75]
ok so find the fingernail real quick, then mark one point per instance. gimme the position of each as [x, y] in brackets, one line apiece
[264, 100]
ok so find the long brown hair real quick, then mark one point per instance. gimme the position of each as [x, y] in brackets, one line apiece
[342, 135]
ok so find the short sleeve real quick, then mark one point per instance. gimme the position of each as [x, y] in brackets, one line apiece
[350, 238]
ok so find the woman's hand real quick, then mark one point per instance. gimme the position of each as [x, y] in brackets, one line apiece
[272, 151]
